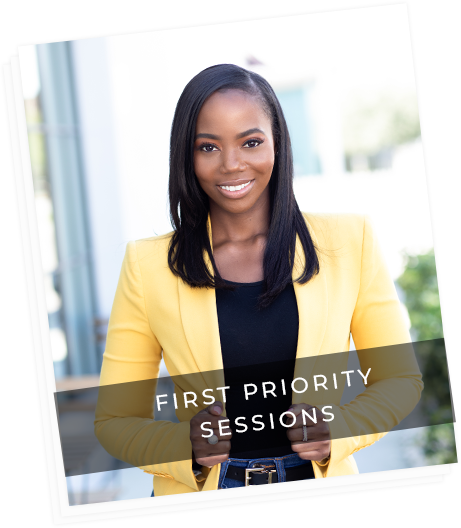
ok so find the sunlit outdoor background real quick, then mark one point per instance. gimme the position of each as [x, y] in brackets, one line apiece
[99, 113]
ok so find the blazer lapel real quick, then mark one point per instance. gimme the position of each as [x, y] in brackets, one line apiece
[312, 301]
[200, 322]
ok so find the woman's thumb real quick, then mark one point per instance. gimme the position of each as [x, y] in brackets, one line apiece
[215, 408]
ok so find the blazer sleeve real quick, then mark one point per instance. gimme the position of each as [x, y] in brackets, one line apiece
[395, 383]
[124, 418]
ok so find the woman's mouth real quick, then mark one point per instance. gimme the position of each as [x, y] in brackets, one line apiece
[236, 189]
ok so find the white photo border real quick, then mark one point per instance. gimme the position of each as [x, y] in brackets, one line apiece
[39, 324]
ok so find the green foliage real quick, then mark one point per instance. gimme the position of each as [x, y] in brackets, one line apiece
[438, 444]
[419, 285]
[36, 144]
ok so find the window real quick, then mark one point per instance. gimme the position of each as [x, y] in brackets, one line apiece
[61, 211]
[295, 105]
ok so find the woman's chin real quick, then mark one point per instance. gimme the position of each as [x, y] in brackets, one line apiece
[246, 204]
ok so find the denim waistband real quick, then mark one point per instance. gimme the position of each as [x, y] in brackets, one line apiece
[280, 464]
[288, 460]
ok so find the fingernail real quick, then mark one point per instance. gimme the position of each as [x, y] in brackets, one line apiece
[217, 409]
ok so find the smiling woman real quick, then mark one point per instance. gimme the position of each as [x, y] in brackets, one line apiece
[237, 289]
[228, 131]
[243, 157]
[234, 171]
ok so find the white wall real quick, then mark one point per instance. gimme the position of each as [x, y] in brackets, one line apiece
[128, 86]
[396, 201]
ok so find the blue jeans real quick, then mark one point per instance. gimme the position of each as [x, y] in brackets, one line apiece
[281, 463]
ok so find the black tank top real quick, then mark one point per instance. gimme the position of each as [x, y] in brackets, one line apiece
[257, 346]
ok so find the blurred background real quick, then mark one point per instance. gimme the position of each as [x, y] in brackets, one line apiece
[99, 113]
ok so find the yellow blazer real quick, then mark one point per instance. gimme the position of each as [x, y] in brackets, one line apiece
[155, 313]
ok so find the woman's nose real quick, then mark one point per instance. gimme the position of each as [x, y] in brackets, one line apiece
[232, 161]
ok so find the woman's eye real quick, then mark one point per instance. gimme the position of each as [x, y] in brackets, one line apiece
[208, 148]
[252, 143]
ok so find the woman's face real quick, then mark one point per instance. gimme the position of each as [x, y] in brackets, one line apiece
[234, 151]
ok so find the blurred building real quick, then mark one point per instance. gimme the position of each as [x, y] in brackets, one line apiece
[99, 130]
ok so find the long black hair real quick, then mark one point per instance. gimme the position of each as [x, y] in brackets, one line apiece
[189, 205]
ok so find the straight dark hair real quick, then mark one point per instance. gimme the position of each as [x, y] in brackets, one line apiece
[189, 205]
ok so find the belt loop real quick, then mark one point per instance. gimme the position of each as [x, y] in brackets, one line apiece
[280, 466]
[223, 472]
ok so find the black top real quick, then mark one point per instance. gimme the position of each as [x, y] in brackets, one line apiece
[257, 346]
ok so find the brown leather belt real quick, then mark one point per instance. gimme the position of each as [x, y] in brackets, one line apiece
[268, 474]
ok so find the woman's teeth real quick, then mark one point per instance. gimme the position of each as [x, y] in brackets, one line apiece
[234, 188]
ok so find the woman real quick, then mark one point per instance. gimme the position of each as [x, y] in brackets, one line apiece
[244, 288]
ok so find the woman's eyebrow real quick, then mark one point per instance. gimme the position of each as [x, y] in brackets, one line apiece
[248, 132]
[239, 136]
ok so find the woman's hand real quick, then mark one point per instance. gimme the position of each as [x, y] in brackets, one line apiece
[207, 454]
[318, 442]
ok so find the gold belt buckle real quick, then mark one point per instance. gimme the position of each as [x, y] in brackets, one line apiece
[261, 470]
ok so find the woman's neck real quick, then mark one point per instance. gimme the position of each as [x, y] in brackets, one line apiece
[231, 227]
[239, 242]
